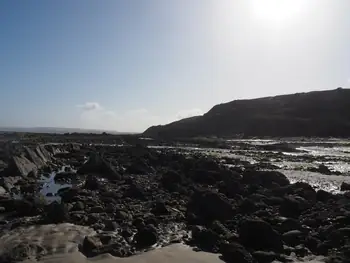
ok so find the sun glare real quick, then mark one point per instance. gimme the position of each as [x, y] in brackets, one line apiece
[278, 10]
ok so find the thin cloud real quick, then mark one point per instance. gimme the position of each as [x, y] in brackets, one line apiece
[89, 106]
[94, 116]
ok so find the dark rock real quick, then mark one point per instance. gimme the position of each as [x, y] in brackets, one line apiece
[136, 191]
[210, 206]
[259, 235]
[91, 183]
[293, 238]
[323, 248]
[110, 225]
[106, 239]
[171, 180]
[92, 219]
[220, 229]
[279, 147]
[69, 195]
[90, 243]
[339, 236]
[33, 174]
[9, 182]
[56, 213]
[323, 196]
[265, 256]
[29, 188]
[33, 157]
[345, 187]
[301, 251]
[323, 169]
[96, 209]
[43, 154]
[63, 189]
[312, 243]
[231, 185]
[122, 215]
[248, 206]
[20, 166]
[98, 165]
[290, 224]
[235, 253]
[160, 209]
[206, 177]
[22, 207]
[78, 206]
[293, 206]
[65, 176]
[110, 208]
[205, 239]
[268, 179]
[146, 237]
[139, 166]
[127, 233]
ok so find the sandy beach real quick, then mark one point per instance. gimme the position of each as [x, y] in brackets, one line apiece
[59, 243]
[171, 254]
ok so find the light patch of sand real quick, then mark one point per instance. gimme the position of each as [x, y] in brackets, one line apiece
[60, 243]
[60, 238]
[176, 253]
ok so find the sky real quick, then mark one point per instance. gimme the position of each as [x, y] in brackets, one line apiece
[125, 65]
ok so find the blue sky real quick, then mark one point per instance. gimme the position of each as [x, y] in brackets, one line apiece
[126, 65]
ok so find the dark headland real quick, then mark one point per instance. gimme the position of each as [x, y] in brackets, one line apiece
[318, 113]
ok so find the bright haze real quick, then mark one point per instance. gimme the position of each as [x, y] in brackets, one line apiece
[127, 65]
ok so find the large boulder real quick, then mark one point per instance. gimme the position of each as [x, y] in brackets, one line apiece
[267, 179]
[43, 153]
[33, 157]
[146, 237]
[293, 238]
[22, 207]
[236, 253]
[56, 213]
[20, 166]
[345, 187]
[259, 235]
[90, 245]
[91, 183]
[9, 182]
[205, 239]
[209, 206]
[65, 176]
[293, 206]
[171, 180]
[98, 165]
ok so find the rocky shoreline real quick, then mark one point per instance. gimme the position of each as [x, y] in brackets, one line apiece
[136, 198]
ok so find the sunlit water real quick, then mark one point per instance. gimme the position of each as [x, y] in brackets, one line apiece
[333, 153]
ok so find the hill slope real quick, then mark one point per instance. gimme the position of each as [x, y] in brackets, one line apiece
[318, 113]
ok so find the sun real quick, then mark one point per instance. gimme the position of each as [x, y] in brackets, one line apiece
[278, 11]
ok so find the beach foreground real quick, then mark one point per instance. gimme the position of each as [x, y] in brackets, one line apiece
[171, 254]
[249, 202]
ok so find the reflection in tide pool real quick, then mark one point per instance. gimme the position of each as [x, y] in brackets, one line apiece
[49, 189]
